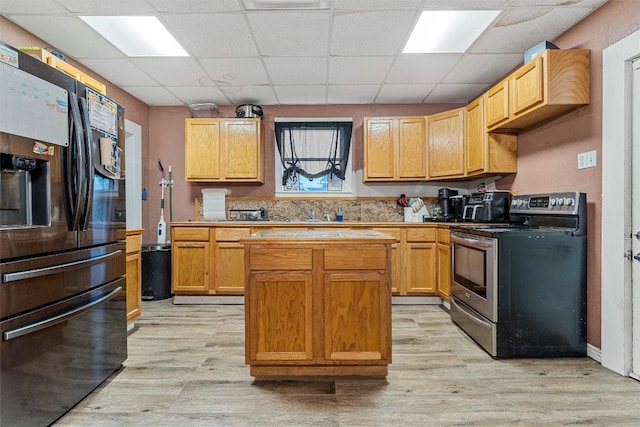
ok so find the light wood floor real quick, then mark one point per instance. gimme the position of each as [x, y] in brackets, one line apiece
[186, 368]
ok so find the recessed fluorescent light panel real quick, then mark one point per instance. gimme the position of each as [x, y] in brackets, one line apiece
[136, 35]
[448, 31]
[286, 4]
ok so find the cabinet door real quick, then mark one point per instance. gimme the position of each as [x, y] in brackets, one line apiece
[242, 154]
[446, 144]
[202, 149]
[474, 140]
[421, 268]
[444, 270]
[190, 267]
[279, 322]
[134, 285]
[379, 149]
[397, 269]
[412, 148]
[228, 275]
[496, 104]
[527, 86]
[357, 314]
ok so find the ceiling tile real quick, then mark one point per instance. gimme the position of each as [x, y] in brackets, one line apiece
[111, 7]
[196, 6]
[121, 72]
[554, 3]
[173, 71]
[376, 4]
[236, 71]
[371, 33]
[294, 95]
[194, 95]
[455, 93]
[261, 95]
[358, 70]
[403, 94]
[69, 35]
[297, 71]
[483, 68]
[421, 68]
[519, 29]
[354, 94]
[40, 7]
[154, 95]
[467, 4]
[212, 35]
[290, 33]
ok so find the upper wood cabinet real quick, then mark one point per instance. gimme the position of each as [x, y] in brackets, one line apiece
[224, 150]
[555, 82]
[395, 149]
[446, 144]
[487, 152]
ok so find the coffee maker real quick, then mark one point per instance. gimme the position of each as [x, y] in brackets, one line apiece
[446, 205]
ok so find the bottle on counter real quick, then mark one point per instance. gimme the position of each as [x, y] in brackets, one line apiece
[339, 214]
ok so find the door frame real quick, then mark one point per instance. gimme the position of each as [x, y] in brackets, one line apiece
[616, 307]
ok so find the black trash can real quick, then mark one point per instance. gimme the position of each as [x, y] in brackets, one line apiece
[156, 272]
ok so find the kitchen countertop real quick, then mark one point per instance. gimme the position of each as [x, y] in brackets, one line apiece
[349, 224]
[368, 236]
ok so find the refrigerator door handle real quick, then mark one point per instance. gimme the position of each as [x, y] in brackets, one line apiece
[89, 168]
[60, 268]
[46, 323]
[74, 187]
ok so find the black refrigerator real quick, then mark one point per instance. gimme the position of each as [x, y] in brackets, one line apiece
[62, 240]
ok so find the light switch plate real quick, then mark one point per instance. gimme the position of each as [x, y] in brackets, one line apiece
[587, 159]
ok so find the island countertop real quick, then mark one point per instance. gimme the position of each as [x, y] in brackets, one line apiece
[324, 236]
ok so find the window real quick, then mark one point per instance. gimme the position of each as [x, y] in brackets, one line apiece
[312, 156]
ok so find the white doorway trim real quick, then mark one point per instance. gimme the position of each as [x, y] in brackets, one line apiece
[133, 173]
[616, 315]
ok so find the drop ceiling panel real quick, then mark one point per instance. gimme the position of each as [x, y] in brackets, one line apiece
[236, 71]
[403, 94]
[157, 95]
[421, 68]
[291, 33]
[193, 6]
[359, 70]
[263, 95]
[38, 7]
[110, 7]
[172, 71]
[297, 71]
[212, 35]
[455, 93]
[122, 72]
[376, 4]
[352, 94]
[292, 95]
[194, 95]
[483, 68]
[371, 33]
[70, 35]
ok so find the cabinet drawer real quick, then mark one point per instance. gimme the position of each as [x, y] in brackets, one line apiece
[200, 234]
[395, 232]
[134, 243]
[421, 235]
[444, 236]
[280, 259]
[231, 234]
[357, 257]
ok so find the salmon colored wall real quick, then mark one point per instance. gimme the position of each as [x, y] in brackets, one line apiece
[547, 155]
[166, 138]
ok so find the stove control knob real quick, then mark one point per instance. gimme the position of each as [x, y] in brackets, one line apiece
[560, 201]
[552, 202]
[568, 201]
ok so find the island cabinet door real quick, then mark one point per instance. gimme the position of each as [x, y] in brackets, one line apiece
[279, 318]
[357, 317]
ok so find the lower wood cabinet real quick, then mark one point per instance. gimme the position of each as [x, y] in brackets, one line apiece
[313, 308]
[444, 264]
[228, 261]
[134, 273]
[190, 260]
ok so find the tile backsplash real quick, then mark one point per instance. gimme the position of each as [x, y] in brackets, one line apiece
[366, 210]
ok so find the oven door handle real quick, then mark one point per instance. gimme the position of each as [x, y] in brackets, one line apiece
[43, 324]
[470, 241]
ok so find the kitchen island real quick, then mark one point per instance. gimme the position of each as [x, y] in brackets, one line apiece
[317, 302]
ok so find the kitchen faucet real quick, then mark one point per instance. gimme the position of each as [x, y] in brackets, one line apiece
[311, 213]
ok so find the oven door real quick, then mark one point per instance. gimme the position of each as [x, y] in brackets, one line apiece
[474, 273]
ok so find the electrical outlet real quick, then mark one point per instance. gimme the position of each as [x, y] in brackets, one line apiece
[587, 159]
[582, 160]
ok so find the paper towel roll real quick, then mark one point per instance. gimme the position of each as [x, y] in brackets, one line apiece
[213, 204]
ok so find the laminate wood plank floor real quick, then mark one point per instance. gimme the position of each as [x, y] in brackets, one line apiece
[186, 368]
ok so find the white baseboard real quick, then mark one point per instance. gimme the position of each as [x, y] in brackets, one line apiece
[594, 353]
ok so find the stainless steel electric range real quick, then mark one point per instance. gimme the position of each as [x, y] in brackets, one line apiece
[519, 288]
